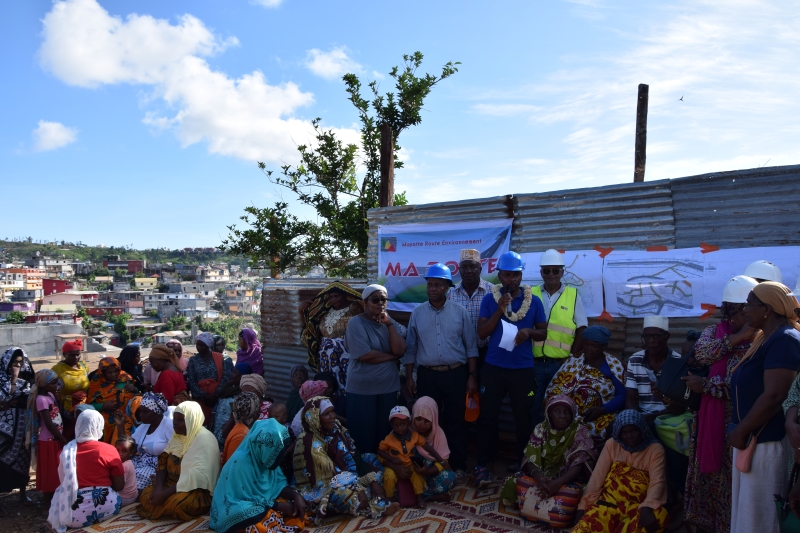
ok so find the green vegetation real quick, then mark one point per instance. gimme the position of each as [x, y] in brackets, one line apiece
[228, 328]
[120, 326]
[15, 317]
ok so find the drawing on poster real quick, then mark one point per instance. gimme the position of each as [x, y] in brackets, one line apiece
[583, 269]
[654, 283]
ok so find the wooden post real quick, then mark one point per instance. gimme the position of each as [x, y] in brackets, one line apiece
[640, 155]
[387, 166]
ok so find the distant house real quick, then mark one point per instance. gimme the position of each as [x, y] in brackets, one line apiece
[145, 283]
[52, 286]
[132, 266]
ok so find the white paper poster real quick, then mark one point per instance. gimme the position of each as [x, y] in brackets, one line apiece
[583, 270]
[722, 265]
[640, 283]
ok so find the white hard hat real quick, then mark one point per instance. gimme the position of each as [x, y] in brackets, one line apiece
[764, 270]
[551, 258]
[737, 289]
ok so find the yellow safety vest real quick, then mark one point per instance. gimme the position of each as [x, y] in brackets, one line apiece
[561, 325]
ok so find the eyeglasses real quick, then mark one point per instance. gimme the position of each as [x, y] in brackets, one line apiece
[753, 304]
[378, 300]
[554, 270]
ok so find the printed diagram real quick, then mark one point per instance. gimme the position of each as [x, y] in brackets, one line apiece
[649, 286]
[583, 270]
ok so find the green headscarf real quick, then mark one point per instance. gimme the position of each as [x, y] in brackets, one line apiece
[247, 486]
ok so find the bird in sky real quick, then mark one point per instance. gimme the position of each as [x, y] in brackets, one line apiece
[680, 99]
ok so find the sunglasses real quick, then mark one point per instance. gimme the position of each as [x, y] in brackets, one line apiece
[554, 270]
[378, 300]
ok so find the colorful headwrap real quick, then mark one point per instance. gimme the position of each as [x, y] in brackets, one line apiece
[78, 397]
[629, 417]
[23, 384]
[255, 381]
[206, 338]
[293, 371]
[243, 368]
[108, 362]
[164, 353]
[155, 401]
[316, 312]
[311, 461]
[175, 345]
[72, 346]
[311, 389]
[246, 408]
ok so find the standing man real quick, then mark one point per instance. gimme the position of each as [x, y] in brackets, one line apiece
[566, 320]
[441, 340]
[512, 313]
[470, 292]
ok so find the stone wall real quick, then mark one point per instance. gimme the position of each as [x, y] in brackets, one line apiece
[37, 340]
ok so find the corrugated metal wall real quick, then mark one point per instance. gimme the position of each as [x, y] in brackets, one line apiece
[756, 207]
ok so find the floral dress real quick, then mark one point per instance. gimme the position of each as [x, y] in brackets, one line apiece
[708, 495]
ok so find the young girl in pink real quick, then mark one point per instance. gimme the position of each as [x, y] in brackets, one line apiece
[46, 436]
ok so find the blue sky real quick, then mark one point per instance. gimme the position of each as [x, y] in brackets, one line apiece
[140, 122]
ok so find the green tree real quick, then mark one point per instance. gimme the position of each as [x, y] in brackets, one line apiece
[120, 326]
[120, 273]
[137, 333]
[327, 180]
[102, 271]
[15, 317]
[176, 323]
[153, 313]
[228, 328]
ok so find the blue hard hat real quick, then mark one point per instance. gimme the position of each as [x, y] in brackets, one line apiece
[510, 261]
[439, 271]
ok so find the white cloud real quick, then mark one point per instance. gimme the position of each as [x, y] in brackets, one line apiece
[52, 135]
[267, 3]
[505, 110]
[331, 65]
[243, 117]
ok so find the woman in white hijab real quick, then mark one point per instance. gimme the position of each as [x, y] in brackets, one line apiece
[91, 475]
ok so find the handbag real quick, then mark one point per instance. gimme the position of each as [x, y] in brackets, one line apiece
[789, 523]
[557, 511]
[674, 430]
[673, 387]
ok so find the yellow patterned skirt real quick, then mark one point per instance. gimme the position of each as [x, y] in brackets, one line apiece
[181, 505]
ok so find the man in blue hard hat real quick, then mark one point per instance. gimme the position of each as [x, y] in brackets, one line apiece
[511, 318]
[441, 341]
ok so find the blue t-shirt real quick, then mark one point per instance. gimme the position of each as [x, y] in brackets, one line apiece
[522, 355]
[782, 350]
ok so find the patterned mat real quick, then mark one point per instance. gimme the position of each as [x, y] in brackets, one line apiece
[471, 510]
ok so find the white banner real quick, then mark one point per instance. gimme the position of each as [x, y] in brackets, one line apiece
[722, 265]
[405, 252]
[583, 270]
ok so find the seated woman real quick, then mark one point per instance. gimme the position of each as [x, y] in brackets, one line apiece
[222, 411]
[109, 389]
[560, 452]
[128, 417]
[151, 436]
[325, 468]
[91, 475]
[187, 470]
[252, 495]
[170, 380]
[246, 408]
[439, 476]
[628, 488]
[298, 375]
[310, 389]
[594, 382]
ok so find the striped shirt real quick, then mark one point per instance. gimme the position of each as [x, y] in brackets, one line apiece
[639, 376]
[471, 303]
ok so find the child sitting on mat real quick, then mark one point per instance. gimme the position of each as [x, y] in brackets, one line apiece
[396, 450]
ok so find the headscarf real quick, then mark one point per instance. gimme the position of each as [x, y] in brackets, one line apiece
[72, 346]
[183, 362]
[311, 389]
[311, 461]
[778, 297]
[426, 408]
[164, 353]
[78, 397]
[629, 417]
[369, 289]
[88, 427]
[126, 362]
[597, 334]
[207, 339]
[43, 377]
[130, 421]
[198, 450]
[315, 314]
[252, 354]
[553, 451]
[243, 368]
[178, 445]
[246, 408]
[156, 402]
[255, 381]
[23, 385]
[246, 484]
[293, 371]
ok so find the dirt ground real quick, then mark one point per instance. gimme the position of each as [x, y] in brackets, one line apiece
[29, 517]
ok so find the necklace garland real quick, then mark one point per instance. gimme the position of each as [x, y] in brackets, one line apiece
[332, 317]
[526, 301]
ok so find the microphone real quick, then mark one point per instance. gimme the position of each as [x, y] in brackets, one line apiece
[508, 310]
